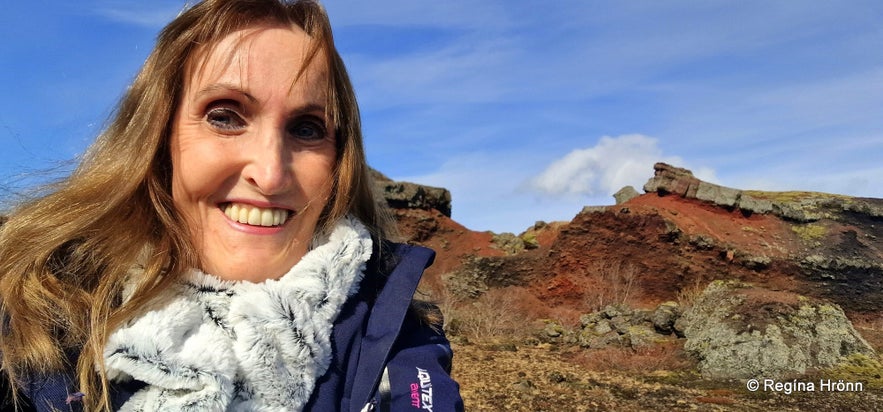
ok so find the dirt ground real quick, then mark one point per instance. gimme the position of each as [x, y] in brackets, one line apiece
[550, 378]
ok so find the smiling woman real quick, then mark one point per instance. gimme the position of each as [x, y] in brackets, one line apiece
[219, 247]
[252, 161]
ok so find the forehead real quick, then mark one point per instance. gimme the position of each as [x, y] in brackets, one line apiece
[275, 57]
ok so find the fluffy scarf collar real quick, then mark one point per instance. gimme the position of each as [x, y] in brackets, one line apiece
[217, 345]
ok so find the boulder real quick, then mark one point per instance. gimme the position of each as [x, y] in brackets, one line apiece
[670, 179]
[619, 325]
[753, 204]
[594, 209]
[508, 243]
[406, 195]
[740, 331]
[719, 195]
[665, 316]
[625, 194]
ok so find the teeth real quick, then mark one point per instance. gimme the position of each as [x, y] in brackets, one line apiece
[254, 215]
[266, 217]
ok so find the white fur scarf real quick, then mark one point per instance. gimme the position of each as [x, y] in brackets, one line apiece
[217, 345]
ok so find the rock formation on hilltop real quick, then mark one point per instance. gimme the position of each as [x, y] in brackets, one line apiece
[662, 268]
[802, 207]
[680, 233]
[406, 195]
[835, 244]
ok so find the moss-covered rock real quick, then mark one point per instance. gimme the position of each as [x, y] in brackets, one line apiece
[508, 243]
[857, 368]
[737, 330]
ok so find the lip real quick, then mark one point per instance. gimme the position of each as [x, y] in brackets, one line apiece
[253, 229]
[257, 203]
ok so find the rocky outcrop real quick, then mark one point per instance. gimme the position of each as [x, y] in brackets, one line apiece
[670, 179]
[479, 274]
[405, 195]
[510, 244]
[737, 330]
[675, 180]
[625, 194]
[832, 241]
[801, 207]
[620, 326]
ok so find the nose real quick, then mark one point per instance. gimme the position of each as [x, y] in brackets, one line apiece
[268, 164]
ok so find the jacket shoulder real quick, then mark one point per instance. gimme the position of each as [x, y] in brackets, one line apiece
[415, 257]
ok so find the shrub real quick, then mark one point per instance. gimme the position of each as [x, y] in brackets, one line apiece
[613, 284]
[496, 314]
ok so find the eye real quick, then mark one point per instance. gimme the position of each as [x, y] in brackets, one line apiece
[224, 118]
[307, 129]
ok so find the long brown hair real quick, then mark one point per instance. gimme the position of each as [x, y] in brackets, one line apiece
[65, 256]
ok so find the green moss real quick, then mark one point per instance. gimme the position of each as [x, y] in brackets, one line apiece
[858, 368]
[530, 240]
[691, 379]
[791, 196]
[810, 231]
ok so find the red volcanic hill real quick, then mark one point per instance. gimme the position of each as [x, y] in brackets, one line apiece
[682, 233]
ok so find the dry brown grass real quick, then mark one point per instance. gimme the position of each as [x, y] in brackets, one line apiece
[495, 315]
[715, 400]
[871, 329]
[689, 293]
[667, 356]
[546, 378]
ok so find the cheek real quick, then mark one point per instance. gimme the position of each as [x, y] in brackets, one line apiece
[315, 174]
[195, 169]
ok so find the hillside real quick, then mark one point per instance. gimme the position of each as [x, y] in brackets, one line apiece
[680, 233]
[520, 302]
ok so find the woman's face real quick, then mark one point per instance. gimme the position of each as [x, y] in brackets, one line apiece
[253, 153]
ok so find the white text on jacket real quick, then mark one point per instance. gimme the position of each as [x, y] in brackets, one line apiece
[421, 395]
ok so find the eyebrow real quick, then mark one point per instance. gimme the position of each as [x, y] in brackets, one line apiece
[213, 88]
[311, 107]
[229, 87]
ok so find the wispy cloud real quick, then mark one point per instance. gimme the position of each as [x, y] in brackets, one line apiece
[154, 15]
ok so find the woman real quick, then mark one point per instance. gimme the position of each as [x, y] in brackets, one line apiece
[219, 247]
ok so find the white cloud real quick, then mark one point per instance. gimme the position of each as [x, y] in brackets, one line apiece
[603, 169]
[485, 193]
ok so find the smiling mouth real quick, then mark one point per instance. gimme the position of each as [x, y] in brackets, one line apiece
[255, 216]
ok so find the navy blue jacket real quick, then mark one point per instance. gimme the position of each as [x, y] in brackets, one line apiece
[385, 357]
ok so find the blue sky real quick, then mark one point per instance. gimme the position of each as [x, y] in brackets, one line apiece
[526, 110]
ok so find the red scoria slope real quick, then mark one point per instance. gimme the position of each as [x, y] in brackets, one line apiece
[651, 247]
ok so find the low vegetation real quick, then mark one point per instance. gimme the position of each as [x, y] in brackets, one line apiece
[504, 360]
[810, 232]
